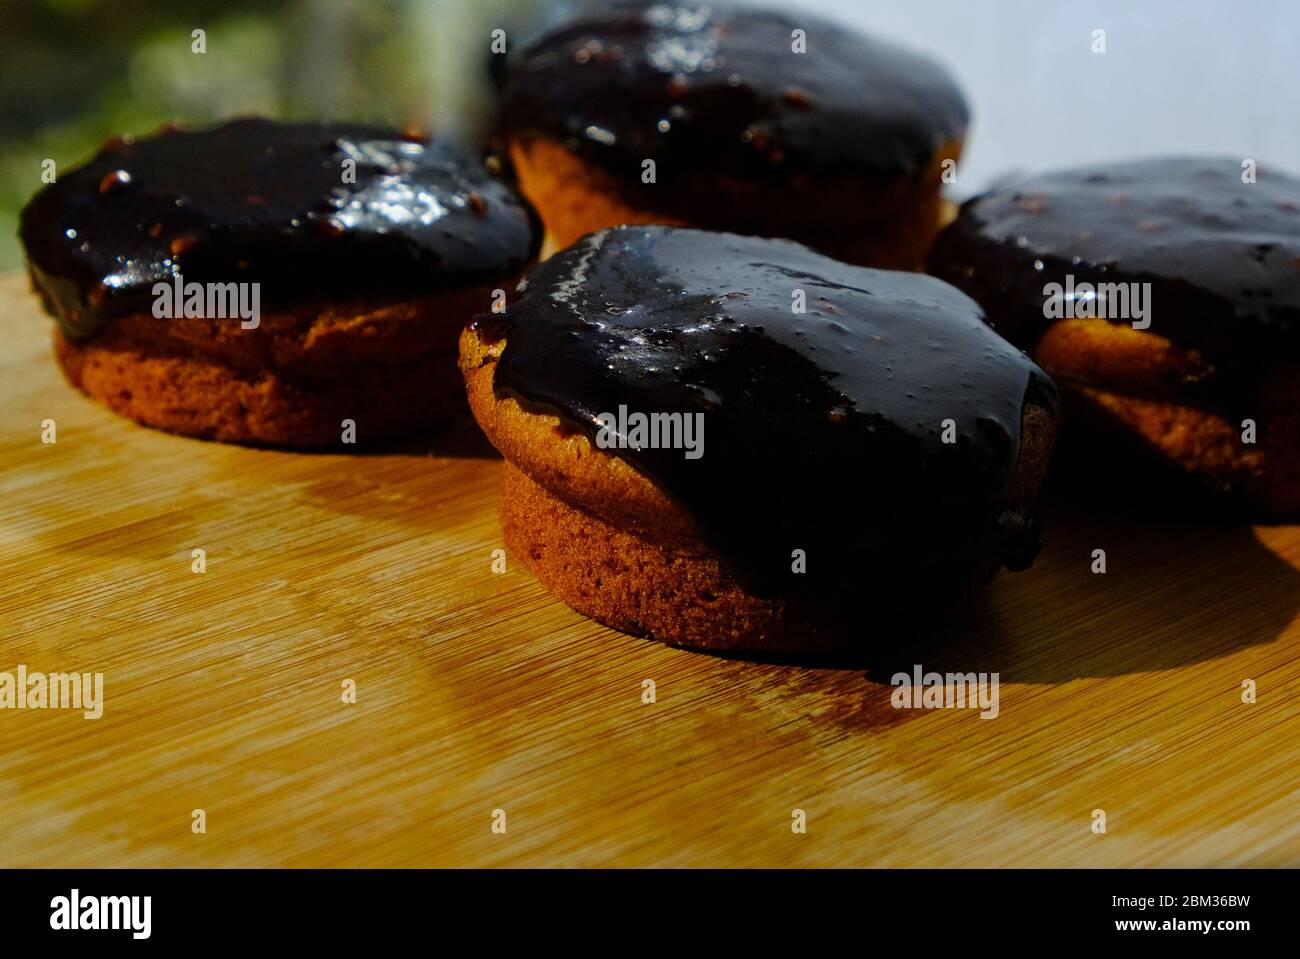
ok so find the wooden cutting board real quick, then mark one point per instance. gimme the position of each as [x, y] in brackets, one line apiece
[478, 691]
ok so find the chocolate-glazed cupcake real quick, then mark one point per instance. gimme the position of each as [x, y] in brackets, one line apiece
[1164, 297]
[750, 121]
[735, 443]
[264, 282]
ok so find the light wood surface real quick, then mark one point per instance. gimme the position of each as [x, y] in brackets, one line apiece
[478, 691]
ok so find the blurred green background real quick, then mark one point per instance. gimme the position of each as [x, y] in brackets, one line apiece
[78, 71]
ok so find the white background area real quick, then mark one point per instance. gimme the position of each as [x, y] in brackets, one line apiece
[1178, 76]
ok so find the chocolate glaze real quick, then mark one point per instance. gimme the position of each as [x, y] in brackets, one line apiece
[718, 87]
[1222, 257]
[822, 430]
[262, 201]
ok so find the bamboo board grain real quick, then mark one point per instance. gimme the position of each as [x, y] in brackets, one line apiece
[479, 691]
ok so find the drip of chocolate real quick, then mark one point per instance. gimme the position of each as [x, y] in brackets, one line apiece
[690, 85]
[823, 430]
[256, 200]
[1222, 257]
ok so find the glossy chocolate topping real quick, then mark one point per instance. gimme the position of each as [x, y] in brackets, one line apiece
[1222, 256]
[262, 201]
[719, 88]
[823, 430]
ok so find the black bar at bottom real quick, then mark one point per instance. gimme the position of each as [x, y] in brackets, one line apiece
[942, 907]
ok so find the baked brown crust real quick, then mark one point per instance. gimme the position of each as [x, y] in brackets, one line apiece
[608, 542]
[562, 461]
[1137, 382]
[387, 364]
[639, 585]
[894, 225]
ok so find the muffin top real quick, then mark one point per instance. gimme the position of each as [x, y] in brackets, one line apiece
[303, 208]
[1222, 256]
[722, 88]
[868, 417]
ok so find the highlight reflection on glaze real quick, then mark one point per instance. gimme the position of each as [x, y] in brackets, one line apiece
[262, 201]
[721, 86]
